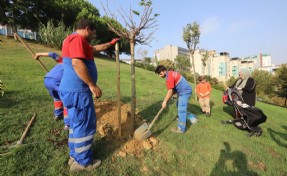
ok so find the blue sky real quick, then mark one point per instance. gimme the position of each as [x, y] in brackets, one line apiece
[242, 28]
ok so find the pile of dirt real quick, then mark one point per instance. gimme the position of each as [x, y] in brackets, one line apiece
[108, 127]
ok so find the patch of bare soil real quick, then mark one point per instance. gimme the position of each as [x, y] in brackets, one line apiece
[108, 127]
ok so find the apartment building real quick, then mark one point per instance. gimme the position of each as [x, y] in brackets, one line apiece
[218, 65]
[170, 52]
[260, 60]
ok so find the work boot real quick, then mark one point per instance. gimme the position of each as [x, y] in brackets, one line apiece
[66, 127]
[58, 117]
[71, 160]
[75, 166]
[177, 130]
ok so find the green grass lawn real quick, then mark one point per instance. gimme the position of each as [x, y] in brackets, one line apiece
[207, 148]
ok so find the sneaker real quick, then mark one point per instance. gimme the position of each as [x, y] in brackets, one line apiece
[177, 130]
[75, 167]
[58, 117]
[208, 114]
[66, 128]
[71, 160]
[193, 121]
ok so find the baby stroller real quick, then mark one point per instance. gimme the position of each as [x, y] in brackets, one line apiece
[246, 117]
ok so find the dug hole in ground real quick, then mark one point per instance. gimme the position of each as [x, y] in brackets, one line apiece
[107, 127]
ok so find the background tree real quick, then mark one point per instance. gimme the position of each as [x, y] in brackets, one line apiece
[73, 10]
[136, 23]
[147, 60]
[167, 63]
[281, 82]
[27, 14]
[204, 58]
[264, 82]
[231, 81]
[142, 53]
[182, 63]
[191, 34]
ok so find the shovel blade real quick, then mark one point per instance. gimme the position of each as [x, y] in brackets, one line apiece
[140, 131]
[144, 136]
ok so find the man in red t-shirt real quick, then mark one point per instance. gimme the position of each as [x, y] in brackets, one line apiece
[77, 86]
[176, 84]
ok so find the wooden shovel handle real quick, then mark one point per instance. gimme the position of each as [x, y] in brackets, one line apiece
[26, 130]
[29, 49]
[156, 117]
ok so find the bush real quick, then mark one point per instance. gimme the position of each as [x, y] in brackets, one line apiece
[52, 35]
[264, 98]
[278, 101]
[274, 100]
[145, 66]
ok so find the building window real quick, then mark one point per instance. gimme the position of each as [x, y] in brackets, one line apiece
[234, 71]
[222, 69]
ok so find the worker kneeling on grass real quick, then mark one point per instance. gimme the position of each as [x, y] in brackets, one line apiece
[176, 84]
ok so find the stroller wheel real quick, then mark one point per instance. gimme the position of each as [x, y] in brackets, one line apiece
[251, 133]
[258, 133]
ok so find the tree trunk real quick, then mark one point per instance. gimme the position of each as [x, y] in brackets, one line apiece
[118, 89]
[193, 68]
[133, 82]
[203, 69]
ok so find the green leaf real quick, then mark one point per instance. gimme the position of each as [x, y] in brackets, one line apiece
[136, 12]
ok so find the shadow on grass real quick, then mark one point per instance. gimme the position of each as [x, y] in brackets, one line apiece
[279, 137]
[9, 99]
[152, 109]
[231, 163]
[211, 105]
[195, 109]
[126, 100]
[228, 110]
[150, 112]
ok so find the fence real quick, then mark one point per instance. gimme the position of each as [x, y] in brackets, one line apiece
[23, 33]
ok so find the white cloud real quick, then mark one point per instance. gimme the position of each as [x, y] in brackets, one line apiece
[210, 25]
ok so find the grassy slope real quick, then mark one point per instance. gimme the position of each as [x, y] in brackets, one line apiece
[207, 148]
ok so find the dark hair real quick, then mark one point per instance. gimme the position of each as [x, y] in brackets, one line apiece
[159, 69]
[83, 23]
[200, 78]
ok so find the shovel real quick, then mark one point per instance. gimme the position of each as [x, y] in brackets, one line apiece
[143, 132]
